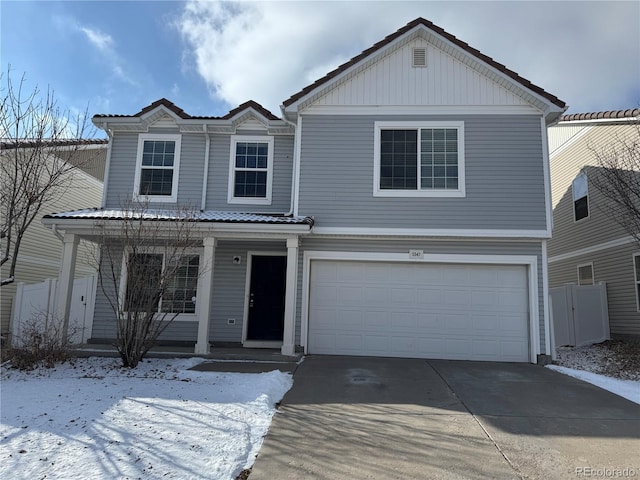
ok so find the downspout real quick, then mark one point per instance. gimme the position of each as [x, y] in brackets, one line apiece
[54, 229]
[207, 148]
[107, 166]
[296, 155]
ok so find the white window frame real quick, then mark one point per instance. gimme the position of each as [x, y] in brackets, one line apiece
[122, 288]
[573, 197]
[636, 280]
[231, 198]
[399, 125]
[593, 273]
[176, 167]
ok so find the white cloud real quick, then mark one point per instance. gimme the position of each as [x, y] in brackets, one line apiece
[106, 45]
[103, 41]
[586, 53]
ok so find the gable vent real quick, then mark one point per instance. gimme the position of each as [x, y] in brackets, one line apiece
[420, 57]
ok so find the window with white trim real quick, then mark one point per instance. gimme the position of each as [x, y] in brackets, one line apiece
[636, 277]
[250, 170]
[580, 191]
[419, 159]
[157, 167]
[145, 271]
[585, 274]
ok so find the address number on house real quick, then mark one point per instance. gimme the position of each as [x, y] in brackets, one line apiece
[416, 254]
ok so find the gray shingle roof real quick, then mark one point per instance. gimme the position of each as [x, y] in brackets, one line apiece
[163, 215]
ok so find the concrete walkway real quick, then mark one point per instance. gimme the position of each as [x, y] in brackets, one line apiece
[357, 418]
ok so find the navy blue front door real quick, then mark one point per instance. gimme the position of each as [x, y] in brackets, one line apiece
[266, 297]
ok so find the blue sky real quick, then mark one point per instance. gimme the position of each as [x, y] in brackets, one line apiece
[209, 56]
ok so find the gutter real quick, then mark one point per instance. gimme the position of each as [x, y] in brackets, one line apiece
[107, 166]
[207, 149]
[296, 159]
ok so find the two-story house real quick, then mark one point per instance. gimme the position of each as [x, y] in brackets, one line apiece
[589, 244]
[400, 206]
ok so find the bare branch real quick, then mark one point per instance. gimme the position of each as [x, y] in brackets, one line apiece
[39, 152]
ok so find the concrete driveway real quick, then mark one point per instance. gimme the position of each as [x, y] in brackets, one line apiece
[384, 418]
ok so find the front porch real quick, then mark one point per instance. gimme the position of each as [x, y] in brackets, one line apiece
[240, 259]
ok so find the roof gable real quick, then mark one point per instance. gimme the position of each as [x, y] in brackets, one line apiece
[437, 38]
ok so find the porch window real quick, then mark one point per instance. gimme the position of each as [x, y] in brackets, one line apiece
[157, 166]
[250, 170]
[146, 271]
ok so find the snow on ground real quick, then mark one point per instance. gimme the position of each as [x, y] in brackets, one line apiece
[91, 419]
[629, 389]
[613, 365]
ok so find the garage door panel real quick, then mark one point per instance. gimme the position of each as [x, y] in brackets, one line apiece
[477, 312]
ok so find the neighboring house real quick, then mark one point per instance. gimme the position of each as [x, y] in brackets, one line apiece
[588, 244]
[401, 207]
[40, 251]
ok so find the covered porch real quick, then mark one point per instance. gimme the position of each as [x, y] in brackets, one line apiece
[240, 258]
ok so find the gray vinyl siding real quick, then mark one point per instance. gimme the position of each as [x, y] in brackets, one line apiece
[442, 247]
[120, 186]
[599, 227]
[615, 267]
[503, 164]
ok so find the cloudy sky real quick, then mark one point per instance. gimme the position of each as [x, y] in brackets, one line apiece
[210, 56]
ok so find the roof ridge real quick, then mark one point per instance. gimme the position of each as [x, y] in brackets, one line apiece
[608, 114]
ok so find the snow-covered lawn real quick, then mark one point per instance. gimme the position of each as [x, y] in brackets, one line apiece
[629, 389]
[91, 419]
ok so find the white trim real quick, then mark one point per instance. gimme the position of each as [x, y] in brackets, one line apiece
[418, 192]
[247, 292]
[594, 248]
[205, 178]
[531, 261]
[107, 166]
[296, 167]
[549, 346]
[181, 317]
[637, 280]
[593, 273]
[546, 164]
[235, 139]
[177, 138]
[421, 110]
[431, 232]
[570, 141]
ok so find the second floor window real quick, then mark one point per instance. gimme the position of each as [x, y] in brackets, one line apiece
[157, 167]
[419, 159]
[580, 197]
[251, 170]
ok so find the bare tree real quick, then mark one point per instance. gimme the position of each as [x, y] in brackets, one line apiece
[617, 177]
[39, 141]
[148, 272]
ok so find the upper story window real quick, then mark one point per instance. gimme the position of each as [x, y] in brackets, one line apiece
[585, 274]
[419, 159]
[636, 277]
[580, 197]
[157, 164]
[250, 170]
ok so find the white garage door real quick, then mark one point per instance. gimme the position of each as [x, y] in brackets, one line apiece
[419, 310]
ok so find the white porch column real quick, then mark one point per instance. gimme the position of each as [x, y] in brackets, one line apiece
[289, 337]
[203, 296]
[65, 281]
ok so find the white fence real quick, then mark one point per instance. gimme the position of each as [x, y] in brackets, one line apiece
[35, 305]
[580, 314]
